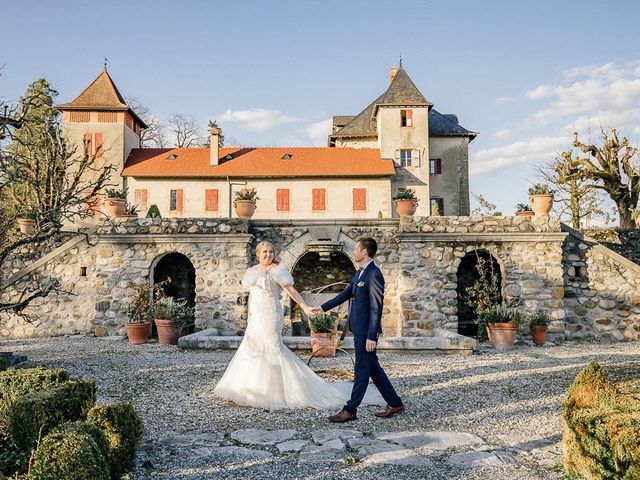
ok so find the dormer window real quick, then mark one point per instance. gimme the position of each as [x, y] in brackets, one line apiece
[406, 118]
[286, 156]
[229, 157]
[172, 156]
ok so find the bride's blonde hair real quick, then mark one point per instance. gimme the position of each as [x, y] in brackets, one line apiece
[264, 244]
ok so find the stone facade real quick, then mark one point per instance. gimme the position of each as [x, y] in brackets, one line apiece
[588, 290]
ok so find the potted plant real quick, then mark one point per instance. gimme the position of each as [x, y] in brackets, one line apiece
[27, 222]
[170, 316]
[523, 210]
[245, 202]
[130, 211]
[138, 311]
[502, 323]
[539, 324]
[323, 334]
[153, 212]
[406, 202]
[540, 198]
[116, 201]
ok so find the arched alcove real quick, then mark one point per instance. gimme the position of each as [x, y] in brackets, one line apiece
[467, 276]
[180, 274]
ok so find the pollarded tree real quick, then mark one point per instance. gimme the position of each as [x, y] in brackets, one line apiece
[611, 167]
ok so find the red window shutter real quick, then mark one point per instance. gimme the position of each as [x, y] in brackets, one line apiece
[282, 199]
[87, 144]
[441, 205]
[359, 199]
[409, 114]
[438, 165]
[319, 199]
[140, 196]
[211, 200]
[179, 200]
[98, 141]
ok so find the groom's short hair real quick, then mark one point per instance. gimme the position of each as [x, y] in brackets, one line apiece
[368, 244]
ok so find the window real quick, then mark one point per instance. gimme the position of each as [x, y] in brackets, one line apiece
[319, 199]
[140, 198]
[435, 166]
[437, 207]
[282, 200]
[175, 201]
[359, 199]
[405, 158]
[211, 200]
[93, 144]
[79, 117]
[406, 118]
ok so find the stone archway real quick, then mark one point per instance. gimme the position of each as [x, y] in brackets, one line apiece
[467, 276]
[178, 269]
[314, 270]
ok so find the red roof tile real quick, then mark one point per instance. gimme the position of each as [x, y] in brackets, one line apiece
[258, 162]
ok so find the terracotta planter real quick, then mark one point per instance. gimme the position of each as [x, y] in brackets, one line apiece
[526, 213]
[541, 204]
[406, 208]
[167, 333]
[115, 206]
[322, 344]
[27, 225]
[138, 332]
[539, 334]
[245, 208]
[503, 336]
[489, 339]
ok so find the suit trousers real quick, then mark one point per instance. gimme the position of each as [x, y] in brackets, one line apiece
[367, 366]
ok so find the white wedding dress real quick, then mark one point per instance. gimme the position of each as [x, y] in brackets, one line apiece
[263, 372]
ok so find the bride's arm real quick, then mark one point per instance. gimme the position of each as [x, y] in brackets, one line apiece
[293, 293]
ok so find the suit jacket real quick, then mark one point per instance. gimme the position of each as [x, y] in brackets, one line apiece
[367, 292]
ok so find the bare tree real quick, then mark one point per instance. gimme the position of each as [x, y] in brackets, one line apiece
[156, 132]
[184, 131]
[574, 197]
[612, 168]
[484, 207]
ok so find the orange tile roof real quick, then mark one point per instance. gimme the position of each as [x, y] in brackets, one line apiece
[258, 162]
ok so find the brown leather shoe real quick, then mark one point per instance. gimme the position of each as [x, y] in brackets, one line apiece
[342, 416]
[389, 411]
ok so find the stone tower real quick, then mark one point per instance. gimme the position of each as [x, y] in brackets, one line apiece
[100, 119]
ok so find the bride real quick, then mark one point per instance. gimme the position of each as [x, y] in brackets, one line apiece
[264, 372]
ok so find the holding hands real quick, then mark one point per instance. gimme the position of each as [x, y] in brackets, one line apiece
[312, 311]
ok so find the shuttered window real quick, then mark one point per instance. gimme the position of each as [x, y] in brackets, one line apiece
[211, 200]
[88, 148]
[140, 198]
[98, 137]
[435, 166]
[406, 118]
[176, 201]
[359, 199]
[319, 199]
[405, 158]
[282, 200]
[437, 206]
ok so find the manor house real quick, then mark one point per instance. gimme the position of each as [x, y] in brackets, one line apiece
[399, 140]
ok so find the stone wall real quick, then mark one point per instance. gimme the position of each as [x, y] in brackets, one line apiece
[589, 291]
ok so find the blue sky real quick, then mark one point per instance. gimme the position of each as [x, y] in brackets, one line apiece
[523, 74]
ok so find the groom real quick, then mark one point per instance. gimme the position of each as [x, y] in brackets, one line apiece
[367, 290]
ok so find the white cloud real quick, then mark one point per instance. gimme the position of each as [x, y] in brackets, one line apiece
[319, 131]
[505, 100]
[532, 151]
[256, 120]
[502, 134]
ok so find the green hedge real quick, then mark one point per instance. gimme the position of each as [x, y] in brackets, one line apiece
[35, 414]
[3, 364]
[601, 429]
[123, 430]
[15, 383]
[73, 451]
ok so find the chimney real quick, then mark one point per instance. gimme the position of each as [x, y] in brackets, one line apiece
[214, 150]
[392, 73]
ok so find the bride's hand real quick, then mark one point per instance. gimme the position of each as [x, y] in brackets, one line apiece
[310, 311]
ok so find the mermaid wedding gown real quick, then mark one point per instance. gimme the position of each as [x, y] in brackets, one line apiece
[263, 372]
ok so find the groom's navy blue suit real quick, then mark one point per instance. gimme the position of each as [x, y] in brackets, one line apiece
[365, 316]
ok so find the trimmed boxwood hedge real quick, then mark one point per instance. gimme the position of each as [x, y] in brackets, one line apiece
[15, 383]
[601, 429]
[35, 414]
[72, 451]
[123, 430]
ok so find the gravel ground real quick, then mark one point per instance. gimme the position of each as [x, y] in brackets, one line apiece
[503, 398]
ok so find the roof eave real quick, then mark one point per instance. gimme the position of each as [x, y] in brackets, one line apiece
[106, 108]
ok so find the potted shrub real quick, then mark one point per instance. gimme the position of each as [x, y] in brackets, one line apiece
[245, 202]
[539, 324]
[153, 212]
[27, 222]
[116, 201]
[523, 210]
[323, 334]
[406, 202]
[138, 311]
[540, 198]
[170, 316]
[502, 325]
[130, 211]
